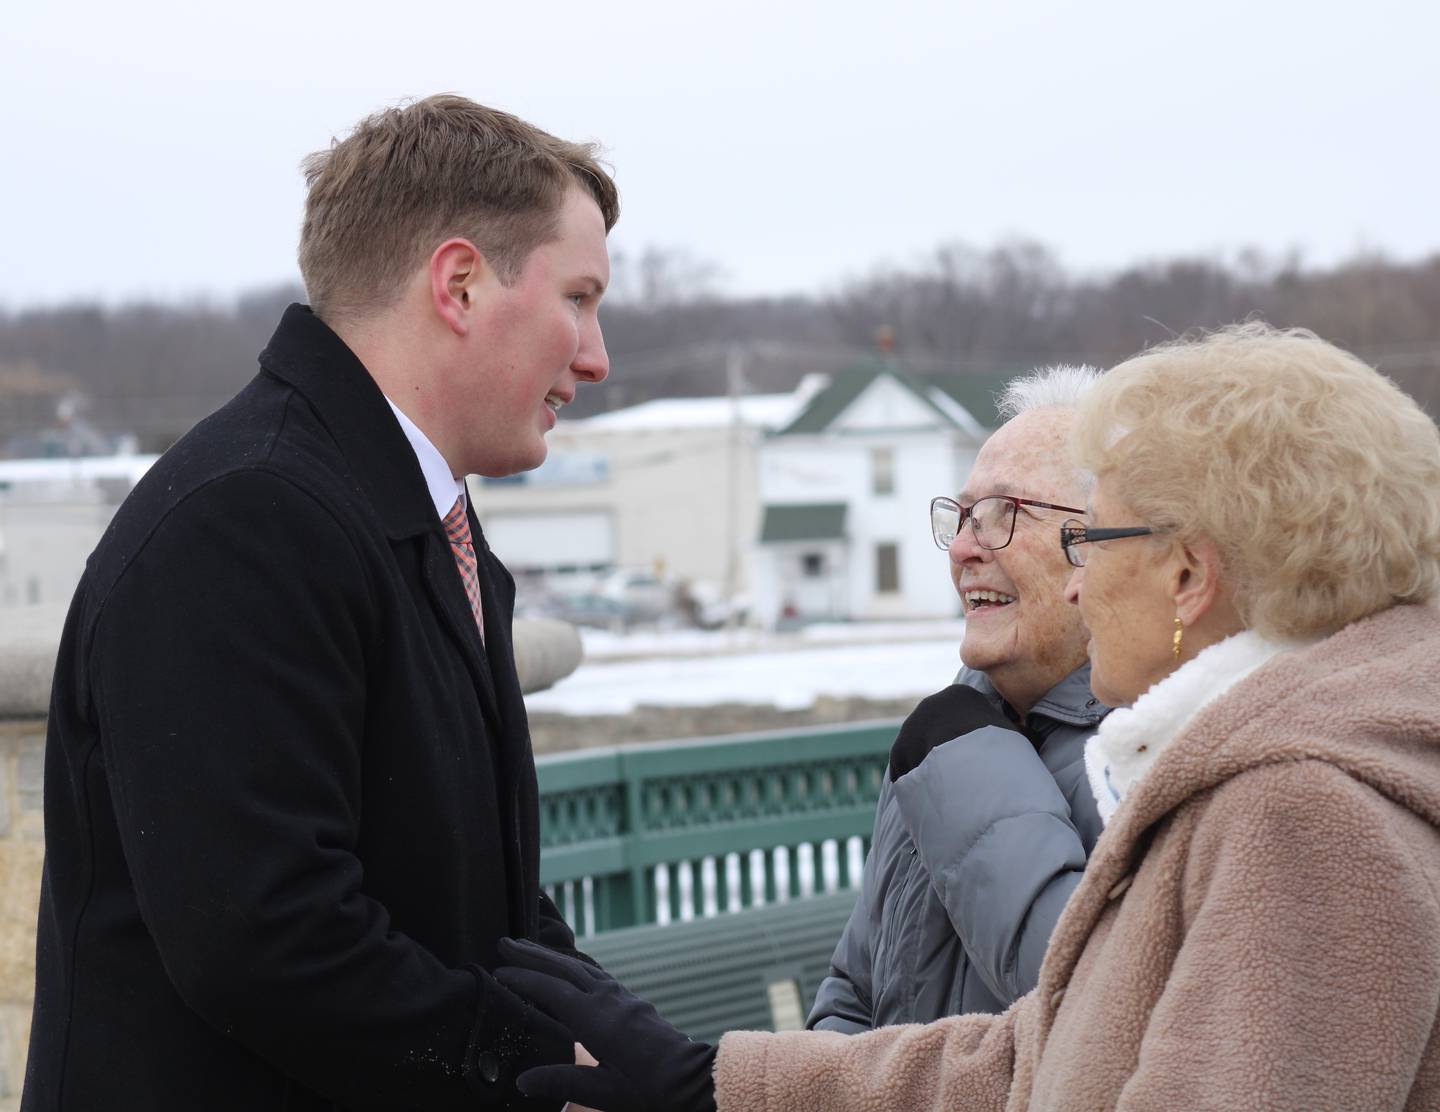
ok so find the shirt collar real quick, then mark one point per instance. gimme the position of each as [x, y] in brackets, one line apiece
[443, 486]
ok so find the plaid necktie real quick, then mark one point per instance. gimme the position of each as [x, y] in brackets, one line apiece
[457, 529]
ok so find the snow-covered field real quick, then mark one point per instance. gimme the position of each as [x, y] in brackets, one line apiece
[789, 671]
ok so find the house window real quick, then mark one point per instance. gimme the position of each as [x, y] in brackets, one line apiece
[812, 565]
[882, 470]
[887, 568]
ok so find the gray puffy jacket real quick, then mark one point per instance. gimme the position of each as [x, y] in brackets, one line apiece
[974, 854]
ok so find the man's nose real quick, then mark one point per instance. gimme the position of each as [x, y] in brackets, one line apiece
[592, 361]
[1072, 587]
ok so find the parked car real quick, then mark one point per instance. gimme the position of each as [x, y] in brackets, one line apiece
[591, 610]
[643, 597]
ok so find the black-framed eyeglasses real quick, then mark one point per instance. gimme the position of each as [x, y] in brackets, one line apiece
[1073, 535]
[992, 519]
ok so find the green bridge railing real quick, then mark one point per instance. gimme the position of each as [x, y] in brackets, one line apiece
[658, 832]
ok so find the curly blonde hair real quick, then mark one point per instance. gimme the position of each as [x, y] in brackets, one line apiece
[1316, 477]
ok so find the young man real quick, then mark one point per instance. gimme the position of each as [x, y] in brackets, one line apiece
[290, 799]
[985, 819]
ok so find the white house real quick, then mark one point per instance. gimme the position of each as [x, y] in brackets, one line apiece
[845, 489]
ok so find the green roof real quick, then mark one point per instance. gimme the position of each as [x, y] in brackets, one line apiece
[976, 391]
[830, 402]
[849, 384]
[803, 521]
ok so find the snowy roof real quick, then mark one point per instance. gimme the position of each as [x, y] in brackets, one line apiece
[75, 469]
[952, 408]
[828, 404]
[765, 411]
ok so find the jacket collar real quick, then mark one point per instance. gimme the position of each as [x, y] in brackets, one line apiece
[305, 353]
[1069, 701]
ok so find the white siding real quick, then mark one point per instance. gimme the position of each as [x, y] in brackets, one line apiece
[931, 457]
[682, 501]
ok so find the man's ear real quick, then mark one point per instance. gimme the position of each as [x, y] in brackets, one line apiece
[1195, 579]
[458, 273]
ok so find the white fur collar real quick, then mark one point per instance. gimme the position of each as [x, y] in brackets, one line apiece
[1128, 741]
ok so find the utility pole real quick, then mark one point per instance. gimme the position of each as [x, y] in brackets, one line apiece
[734, 385]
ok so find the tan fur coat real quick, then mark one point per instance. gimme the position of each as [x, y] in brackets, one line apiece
[1258, 928]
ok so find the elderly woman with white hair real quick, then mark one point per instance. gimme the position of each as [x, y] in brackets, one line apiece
[1259, 925]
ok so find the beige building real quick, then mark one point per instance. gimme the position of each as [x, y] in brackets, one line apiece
[669, 486]
[52, 514]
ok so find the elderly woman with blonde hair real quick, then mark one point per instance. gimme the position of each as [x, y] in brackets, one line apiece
[1259, 925]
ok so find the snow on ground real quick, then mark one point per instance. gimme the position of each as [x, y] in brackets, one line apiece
[786, 671]
[602, 645]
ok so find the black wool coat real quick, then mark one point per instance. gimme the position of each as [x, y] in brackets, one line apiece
[290, 802]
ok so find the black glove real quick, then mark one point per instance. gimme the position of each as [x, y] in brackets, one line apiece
[645, 1064]
[948, 714]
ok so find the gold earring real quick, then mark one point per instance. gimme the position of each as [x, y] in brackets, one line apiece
[1179, 633]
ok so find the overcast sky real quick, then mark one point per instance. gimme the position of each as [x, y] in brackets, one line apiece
[152, 148]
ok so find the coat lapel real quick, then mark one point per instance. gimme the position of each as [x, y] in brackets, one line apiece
[497, 598]
[310, 357]
[492, 670]
[447, 595]
[497, 595]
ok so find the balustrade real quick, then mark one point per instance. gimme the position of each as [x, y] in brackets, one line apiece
[673, 831]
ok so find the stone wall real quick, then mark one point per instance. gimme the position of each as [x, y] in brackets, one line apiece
[22, 850]
[545, 651]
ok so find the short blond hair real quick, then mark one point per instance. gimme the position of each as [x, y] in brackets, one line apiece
[1316, 477]
[409, 178]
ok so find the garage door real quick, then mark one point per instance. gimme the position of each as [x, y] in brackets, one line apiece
[552, 541]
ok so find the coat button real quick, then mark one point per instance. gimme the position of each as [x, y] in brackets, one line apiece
[489, 1066]
[1121, 887]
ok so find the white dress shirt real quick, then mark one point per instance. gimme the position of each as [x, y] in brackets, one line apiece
[444, 487]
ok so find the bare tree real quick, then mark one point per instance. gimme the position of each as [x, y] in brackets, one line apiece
[154, 370]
